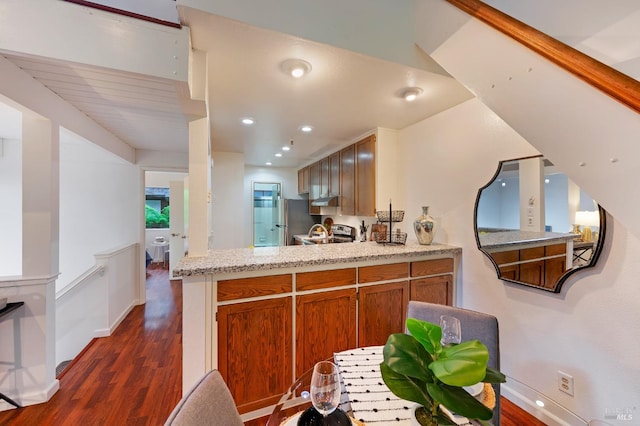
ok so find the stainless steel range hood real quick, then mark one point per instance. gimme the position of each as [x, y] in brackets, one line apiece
[331, 201]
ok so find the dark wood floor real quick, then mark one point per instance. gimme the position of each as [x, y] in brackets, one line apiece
[134, 377]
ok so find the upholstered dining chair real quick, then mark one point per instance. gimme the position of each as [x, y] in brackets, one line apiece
[474, 325]
[207, 403]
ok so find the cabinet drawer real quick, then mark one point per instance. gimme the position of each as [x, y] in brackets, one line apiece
[325, 279]
[503, 257]
[369, 274]
[431, 267]
[555, 249]
[532, 253]
[251, 287]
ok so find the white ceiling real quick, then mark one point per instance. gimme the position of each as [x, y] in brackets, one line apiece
[345, 95]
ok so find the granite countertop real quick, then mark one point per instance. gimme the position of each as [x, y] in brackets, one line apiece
[501, 239]
[266, 258]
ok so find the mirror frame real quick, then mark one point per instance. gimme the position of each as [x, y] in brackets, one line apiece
[558, 287]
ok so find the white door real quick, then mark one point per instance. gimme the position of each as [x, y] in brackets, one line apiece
[177, 222]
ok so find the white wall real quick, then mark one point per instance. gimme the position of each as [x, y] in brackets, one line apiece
[227, 198]
[99, 205]
[10, 207]
[288, 177]
[590, 330]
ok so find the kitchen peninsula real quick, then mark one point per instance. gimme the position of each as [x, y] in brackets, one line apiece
[263, 316]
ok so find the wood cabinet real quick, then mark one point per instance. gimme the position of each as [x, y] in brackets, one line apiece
[334, 174]
[303, 181]
[314, 187]
[324, 177]
[433, 289]
[255, 351]
[329, 325]
[382, 310]
[539, 266]
[348, 181]
[366, 177]
[335, 309]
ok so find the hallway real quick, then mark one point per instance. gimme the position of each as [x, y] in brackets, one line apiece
[133, 377]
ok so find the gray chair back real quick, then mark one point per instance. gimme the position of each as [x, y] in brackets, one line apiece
[207, 403]
[474, 325]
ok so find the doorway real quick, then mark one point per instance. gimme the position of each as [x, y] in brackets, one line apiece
[267, 213]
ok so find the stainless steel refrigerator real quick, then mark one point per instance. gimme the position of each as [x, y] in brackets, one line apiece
[297, 220]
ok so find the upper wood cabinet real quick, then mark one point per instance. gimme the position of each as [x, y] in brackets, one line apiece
[314, 186]
[366, 177]
[334, 174]
[324, 177]
[349, 174]
[303, 181]
[348, 180]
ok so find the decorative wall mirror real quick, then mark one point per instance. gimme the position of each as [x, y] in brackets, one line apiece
[536, 225]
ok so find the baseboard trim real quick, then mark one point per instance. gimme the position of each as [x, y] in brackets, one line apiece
[32, 398]
[122, 316]
[552, 414]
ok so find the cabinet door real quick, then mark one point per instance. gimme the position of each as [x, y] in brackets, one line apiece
[254, 351]
[509, 272]
[433, 289]
[348, 180]
[382, 310]
[334, 174]
[326, 323]
[532, 272]
[324, 177]
[366, 177]
[303, 181]
[314, 186]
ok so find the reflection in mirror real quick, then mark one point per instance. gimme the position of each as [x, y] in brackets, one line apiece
[536, 225]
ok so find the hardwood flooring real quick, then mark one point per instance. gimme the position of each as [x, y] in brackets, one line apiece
[134, 377]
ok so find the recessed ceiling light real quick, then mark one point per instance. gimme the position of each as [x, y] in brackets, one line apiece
[296, 67]
[285, 148]
[268, 163]
[248, 121]
[278, 154]
[306, 128]
[410, 94]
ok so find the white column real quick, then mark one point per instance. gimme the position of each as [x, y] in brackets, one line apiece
[40, 196]
[199, 161]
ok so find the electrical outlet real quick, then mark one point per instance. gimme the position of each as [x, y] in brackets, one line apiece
[565, 382]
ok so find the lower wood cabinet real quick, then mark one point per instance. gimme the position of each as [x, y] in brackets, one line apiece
[255, 352]
[326, 323]
[335, 310]
[382, 310]
[433, 289]
[540, 266]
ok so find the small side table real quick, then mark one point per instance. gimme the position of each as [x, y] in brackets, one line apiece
[3, 312]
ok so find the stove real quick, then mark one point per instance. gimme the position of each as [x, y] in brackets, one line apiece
[342, 234]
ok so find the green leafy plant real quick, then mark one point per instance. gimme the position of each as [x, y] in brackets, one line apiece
[418, 368]
[155, 219]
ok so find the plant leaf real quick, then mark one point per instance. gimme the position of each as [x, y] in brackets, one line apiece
[405, 387]
[494, 376]
[462, 365]
[428, 334]
[405, 355]
[459, 401]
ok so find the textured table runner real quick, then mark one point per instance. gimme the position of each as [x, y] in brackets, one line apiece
[371, 400]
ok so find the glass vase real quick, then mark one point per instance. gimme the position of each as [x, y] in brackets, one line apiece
[424, 227]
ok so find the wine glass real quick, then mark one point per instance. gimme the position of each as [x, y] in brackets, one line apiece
[451, 333]
[325, 387]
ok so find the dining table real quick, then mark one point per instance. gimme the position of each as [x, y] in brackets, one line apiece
[364, 396]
